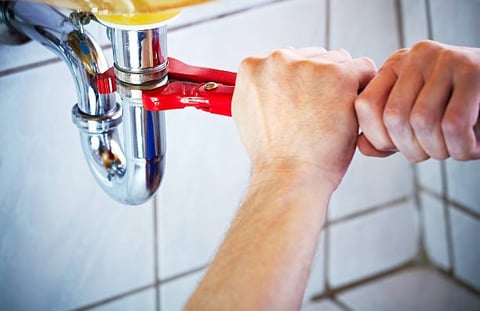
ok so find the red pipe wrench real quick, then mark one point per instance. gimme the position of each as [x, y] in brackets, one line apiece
[206, 89]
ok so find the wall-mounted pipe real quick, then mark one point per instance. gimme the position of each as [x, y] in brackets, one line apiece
[130, 172]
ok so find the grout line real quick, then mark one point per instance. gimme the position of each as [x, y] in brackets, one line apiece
[183, 274]
[114, 298]
[400, 23]
[341, 304]
[457, 281]
[156, 257]
[448, 222]
[452, 203]
[23, 68]
[333, 293]
[428, 9]
[140, 289]
[47, 62]
[370, 210]
[460, 207]
[227, 14]
[328, 22]
[422, 255]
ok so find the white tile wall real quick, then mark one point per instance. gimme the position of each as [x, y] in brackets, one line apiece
[207, 167]
[214, 9]
[466, 239]
[415, 22]
[144, 301]
[63, 242]
[175, 294]
[223, 43]
[456, 21]
[435, 230]
[462, 182]
[415, 289]
[429, 174]
[365, 28]
[373, 243]
[370, 182]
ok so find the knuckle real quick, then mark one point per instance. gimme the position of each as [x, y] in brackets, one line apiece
[421, 120]
[382, 145]
[395, 60]
[279, 55]
[452, 124]
[460, 155]
[425, 45]
[467, 70]
[344, 52]
[369, 61]
[250, 64]
[424, 51]
[393, 120]
[439, 156]
[362, 105]
[419, 158]
[447, 57]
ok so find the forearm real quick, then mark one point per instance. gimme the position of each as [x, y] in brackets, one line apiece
[265, 259]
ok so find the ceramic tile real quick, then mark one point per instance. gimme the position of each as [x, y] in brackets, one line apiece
[414, 289]
[462, 181]
[371, 182]
[364, 246]
[63, 242]
[435, 230]
[365, 28]
[462, 25]
[415, 23]
[466, 238]
[316, 282]
[323, 305]
[207, 167]
[175, 294]
[144, 301]
[255, 32]
[214, 9]
[429, 175]
[199, 14]
[206, 174]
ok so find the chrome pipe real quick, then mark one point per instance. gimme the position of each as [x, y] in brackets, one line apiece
[130, 172]
[140, 56]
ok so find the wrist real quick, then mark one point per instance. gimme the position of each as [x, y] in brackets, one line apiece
[292, 173]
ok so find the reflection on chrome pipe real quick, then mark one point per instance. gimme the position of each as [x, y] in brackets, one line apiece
[130, 174]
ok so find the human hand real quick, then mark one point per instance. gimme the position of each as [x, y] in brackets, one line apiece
[294, 110]
[424, 102]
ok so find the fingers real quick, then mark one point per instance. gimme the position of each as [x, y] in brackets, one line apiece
[398, 110]
[427, 114]
[368, 149]
[460, 122]
[425, 102]
[369, 107]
